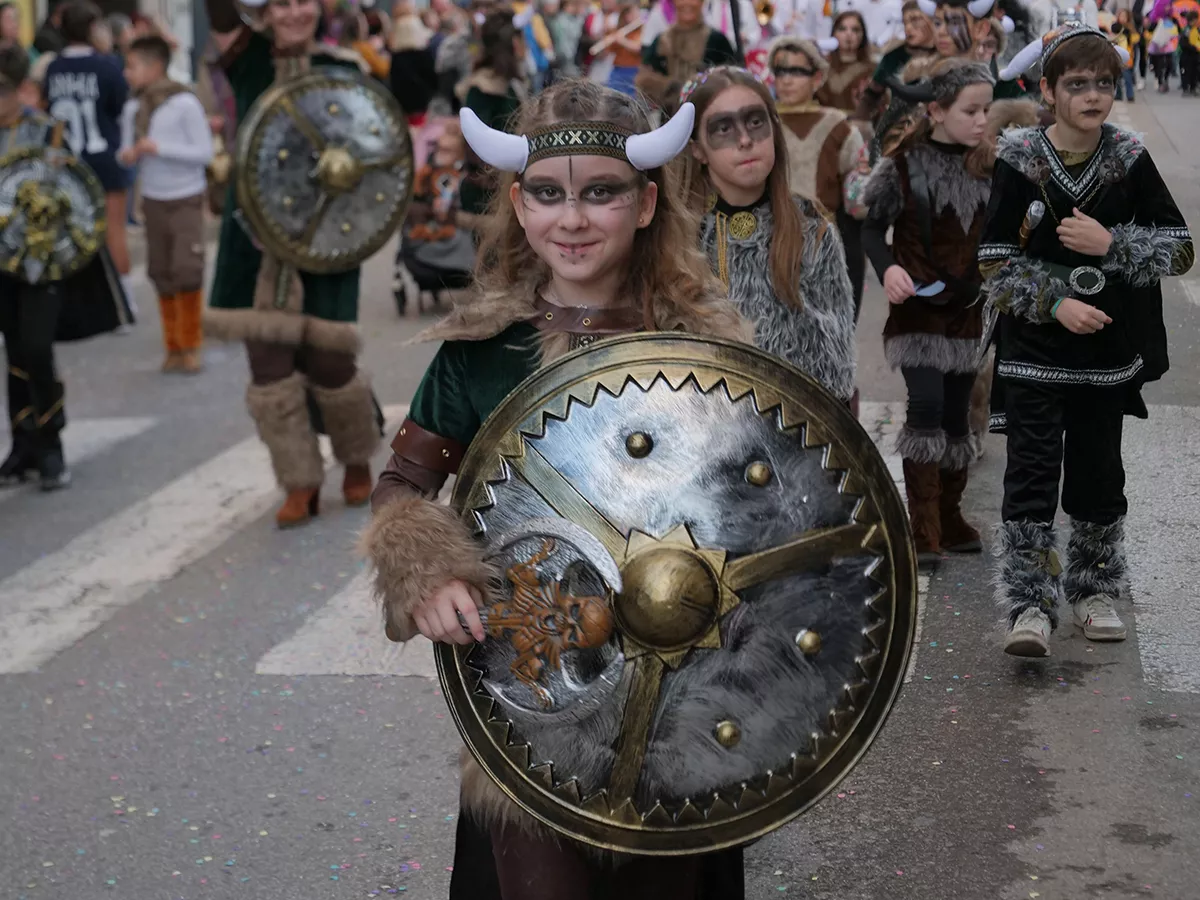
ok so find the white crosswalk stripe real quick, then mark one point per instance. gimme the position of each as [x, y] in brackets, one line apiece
[85, 439]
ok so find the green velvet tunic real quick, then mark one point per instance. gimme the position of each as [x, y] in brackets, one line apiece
[333, 297]
[468, 379]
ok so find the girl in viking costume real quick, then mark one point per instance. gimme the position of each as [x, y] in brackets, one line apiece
[559, 269]
[850, 64]
[1080, 231]
[779, 257]
[918, 43]
[675, 57]
[310, 343]
[932, 190]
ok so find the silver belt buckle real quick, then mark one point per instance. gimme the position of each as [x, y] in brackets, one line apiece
[1087, 280]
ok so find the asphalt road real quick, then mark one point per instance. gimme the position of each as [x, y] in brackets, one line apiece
[195, 705]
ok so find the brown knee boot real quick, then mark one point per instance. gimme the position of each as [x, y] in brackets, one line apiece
[924, 487]
[958, 535]
[189, 330]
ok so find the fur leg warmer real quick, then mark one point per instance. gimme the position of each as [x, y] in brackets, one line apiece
[416, 546]
[1095, 560]
[921, 446]
[280, 410]
[1028, 572]
[960, 453]
[349, 415]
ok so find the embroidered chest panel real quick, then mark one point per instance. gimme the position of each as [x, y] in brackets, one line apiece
[1029, 151]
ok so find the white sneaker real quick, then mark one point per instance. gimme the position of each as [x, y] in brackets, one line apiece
[1099, 621]
[1030, 634]
[1141, 84]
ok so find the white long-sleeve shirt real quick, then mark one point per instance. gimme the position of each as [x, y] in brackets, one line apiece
[180, 129]
[802, 18]
[884, 18]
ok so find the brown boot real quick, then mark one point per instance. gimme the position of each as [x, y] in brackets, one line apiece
[190, 362]
[357, 485]
[958, 536]
[189, 331]
[924, 487]
[299, 507]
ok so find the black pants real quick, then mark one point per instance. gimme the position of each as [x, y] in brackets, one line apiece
[28, 319]
[939, 401]
[850, 230]
[1072, 430]
[1189, 70]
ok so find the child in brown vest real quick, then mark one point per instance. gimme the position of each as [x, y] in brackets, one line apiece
[170, 137]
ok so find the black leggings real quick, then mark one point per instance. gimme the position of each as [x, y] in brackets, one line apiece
[939, 401]
[28, 319]
[850, 230]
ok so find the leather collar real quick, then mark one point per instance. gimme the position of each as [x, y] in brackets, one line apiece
[550, 317]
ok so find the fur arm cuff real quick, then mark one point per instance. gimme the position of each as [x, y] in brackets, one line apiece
[884, 194]
[1142, 255]
[1024, 289]
[415, 546]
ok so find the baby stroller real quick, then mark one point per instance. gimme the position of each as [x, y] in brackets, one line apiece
[437, 254]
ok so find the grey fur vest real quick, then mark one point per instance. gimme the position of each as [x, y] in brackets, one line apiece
[818, 338]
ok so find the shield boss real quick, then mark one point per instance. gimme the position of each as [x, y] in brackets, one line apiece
[706, 594]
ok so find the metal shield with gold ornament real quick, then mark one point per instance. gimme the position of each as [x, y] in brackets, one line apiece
[324, 169]
[51, 214]
[705, 594]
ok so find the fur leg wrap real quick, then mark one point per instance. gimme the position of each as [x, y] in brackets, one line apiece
[280, 410]
[416, 546]
[921, 446]
[960, 452]
[349, 415]
[1095, 561]
[1027, 573]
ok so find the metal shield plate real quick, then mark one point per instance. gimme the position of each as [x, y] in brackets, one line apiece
[705, 601]
[324, 169]
[51, 214]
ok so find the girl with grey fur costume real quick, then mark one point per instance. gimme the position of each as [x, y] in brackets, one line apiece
[932, 190]
[780, 258]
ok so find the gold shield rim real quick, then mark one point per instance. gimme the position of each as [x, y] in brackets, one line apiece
[297, 252]
[782, 797]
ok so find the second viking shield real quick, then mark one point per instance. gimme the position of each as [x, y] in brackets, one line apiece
[705, 601]
[324, 169]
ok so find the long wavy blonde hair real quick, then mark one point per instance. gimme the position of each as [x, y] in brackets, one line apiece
[668, 277]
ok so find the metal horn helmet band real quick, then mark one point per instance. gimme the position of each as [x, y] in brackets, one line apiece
[827, 44]
[324, 169]
[760, 627]
[977, 8]
[514, 152]
[1040, 50]
[52, 214]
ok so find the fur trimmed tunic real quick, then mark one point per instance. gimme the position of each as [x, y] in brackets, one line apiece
[940, 332]
[817, 338]
[1119, 186]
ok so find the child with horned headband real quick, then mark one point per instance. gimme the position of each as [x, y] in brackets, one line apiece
[587, 238]
[780, 258]
[1079, 233]
[932, 190]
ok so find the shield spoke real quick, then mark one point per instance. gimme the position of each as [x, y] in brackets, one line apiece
[811, 550]
[304, 123]
[318, 214]
[389, 162]
[565, 500]
[647, 677]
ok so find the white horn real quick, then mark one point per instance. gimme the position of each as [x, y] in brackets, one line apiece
[1009, 25]
[980, 8]
[522, 19]
[827, 45]
[929, 7]
[254, 4]
[1023, 61]
[660, 146]
[499, 149]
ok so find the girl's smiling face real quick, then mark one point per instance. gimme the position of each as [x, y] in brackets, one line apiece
[736, 141]
[581, 214]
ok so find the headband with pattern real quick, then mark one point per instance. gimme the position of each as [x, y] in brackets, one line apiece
[516, 152]
[1044, 47]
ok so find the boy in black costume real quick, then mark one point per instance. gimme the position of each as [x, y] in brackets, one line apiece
[1080, 330]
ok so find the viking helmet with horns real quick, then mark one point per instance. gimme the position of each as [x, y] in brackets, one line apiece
[1040, 50]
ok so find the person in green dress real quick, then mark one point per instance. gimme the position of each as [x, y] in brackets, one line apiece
[307, 346]
[588, 239]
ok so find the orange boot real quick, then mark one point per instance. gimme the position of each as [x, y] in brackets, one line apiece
[190, 335]
[299, 507]
[168, 311]
[357, 485]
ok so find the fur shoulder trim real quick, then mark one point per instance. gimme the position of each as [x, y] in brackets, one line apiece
[1006, 114]
[409, 33]
[1123, 145]
[918, 68]
[1021, 148]
[480, 316]
[489, 82]
[884, 193]
[1018, 145]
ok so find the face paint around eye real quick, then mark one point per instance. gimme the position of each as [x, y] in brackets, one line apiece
[727, 129]
[793, 71]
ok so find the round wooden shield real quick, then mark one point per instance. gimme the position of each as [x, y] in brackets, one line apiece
[705, 594]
